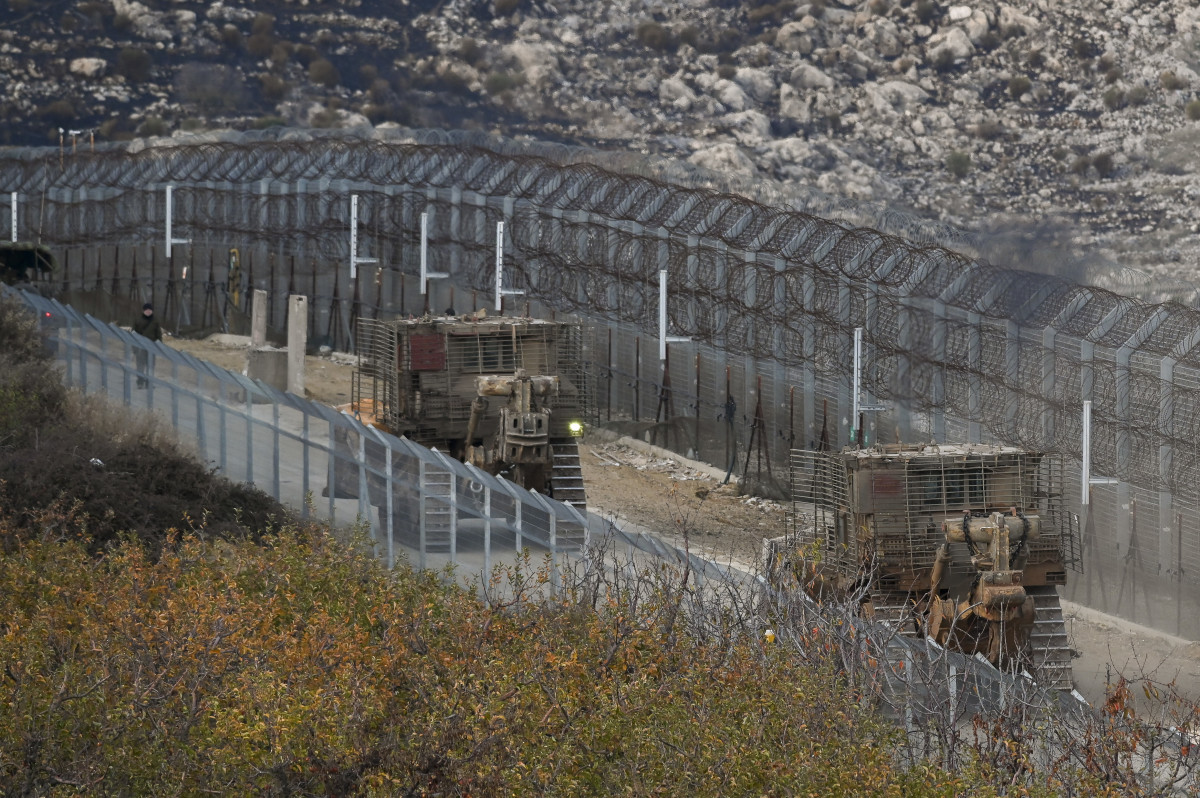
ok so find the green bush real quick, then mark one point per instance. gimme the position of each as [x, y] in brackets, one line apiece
[153, 126]
[989, 130]
[1081, 164]
[58, 112]
[327, 117]
[453, 82]
[1019, 86]
[213, 88]
[469, 50]
[1114, 98]
[231, 37]
[958, 164]
[259, 45]
[499, 82]
[380, 90]
[944, 60]
[990, 41]
[1192, 110]
[1113, 75]
[926, 10]
[324, 73]
[1138, 95]
[117, 128]
[505, 8]
[770, 13]
[305, 54]
[135, 64]
[1083, 49]
[263, 24]
[1170, 81]
[264, 122]
[1103, 163]
[280, 54]
[273, 87]
[655, 36]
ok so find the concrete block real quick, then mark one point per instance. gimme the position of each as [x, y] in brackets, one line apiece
[258, 319]
[297, 342]
[269, 366]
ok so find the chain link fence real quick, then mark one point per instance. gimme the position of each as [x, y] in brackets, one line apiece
[769, 296]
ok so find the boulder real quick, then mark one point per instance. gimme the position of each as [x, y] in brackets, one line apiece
[750, 128]
[810, 155]
[952, 43]
[674, 92]
[903, 95]
[793, 37]
[884, 36]
[757, 83]
[1010, 18]
[537, 59]
[731, 95]
[145, 23]
[87, 67]
[807, 76]
[726, 158]
[977, 26]
[795, 105]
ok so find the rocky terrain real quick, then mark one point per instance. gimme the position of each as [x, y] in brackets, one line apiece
[1063, 131]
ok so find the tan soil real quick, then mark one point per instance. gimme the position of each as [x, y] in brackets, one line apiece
[670, 499]
[677, 502]
[326, 379]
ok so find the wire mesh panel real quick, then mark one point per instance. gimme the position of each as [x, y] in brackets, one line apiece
[587, 236]
[418, 503]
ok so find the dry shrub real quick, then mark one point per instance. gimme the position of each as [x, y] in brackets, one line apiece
[1170, 81]
[119, 474]
[655, 36]
[323, 72]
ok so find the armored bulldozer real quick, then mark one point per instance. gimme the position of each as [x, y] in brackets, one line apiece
[505, 394]
[964, 544]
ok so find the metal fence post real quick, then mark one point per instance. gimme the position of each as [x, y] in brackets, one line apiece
[275, 481]
[249, 435]
[364, 497]
[421, 514]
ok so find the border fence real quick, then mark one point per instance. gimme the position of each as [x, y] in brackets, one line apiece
[441, 512]
[768, 296]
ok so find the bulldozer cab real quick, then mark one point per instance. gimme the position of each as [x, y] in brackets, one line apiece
[25, 262]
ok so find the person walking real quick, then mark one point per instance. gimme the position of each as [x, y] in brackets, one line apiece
[148, 327]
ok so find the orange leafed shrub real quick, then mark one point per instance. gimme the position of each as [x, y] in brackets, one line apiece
[301, 666]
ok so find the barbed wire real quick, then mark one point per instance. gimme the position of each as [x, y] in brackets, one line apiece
[1015, 351]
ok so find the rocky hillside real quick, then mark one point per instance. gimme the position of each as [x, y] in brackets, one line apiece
[1067, 129]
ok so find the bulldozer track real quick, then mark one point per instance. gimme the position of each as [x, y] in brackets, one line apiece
[896, 609]
[566, 486]
[1049, 650]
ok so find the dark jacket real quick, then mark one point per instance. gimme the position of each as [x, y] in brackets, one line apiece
[148, 327]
